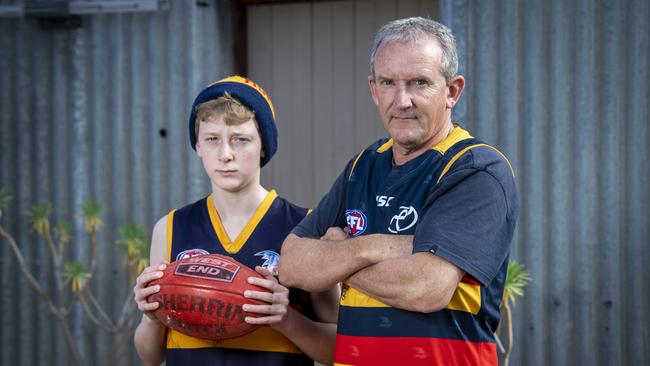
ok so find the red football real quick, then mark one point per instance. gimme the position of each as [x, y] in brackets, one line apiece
[202, 297]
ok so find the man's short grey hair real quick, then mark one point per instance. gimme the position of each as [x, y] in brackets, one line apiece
[413, 29]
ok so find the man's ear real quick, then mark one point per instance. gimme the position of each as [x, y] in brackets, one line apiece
[455, 89]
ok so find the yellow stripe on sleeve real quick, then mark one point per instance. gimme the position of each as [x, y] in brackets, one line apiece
[463, 151]
[467, 297]
[170, 231]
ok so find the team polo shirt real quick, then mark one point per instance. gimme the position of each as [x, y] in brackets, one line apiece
[197, 229]
[460, 202]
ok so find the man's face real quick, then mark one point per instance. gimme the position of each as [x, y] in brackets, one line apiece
[410, 92]
[230, 153]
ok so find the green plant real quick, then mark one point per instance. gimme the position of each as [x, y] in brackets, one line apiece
[516, 280]
[74, 279]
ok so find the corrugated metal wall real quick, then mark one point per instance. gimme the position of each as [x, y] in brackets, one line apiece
[100, 111]
[562, 87]
[313, 59]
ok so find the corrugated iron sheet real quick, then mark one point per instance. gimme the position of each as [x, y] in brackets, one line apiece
[95, 112]
[562, 88]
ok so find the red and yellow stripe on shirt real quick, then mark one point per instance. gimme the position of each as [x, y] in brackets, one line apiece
[377, 335]
[467, 297]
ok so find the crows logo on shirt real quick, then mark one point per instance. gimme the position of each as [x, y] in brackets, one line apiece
[271, 260]
[404, 220]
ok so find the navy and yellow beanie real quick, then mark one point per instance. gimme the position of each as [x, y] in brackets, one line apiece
[252, 96]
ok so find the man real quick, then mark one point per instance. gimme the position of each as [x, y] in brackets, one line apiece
[232, 129]
[418, 227]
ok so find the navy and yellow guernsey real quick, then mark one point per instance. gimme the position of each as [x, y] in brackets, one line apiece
[386, 200]
[197, 229]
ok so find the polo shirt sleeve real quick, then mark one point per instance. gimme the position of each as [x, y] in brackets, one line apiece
[468, 221]
[330, 211]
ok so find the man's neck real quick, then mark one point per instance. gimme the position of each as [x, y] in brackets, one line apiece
[402, 155]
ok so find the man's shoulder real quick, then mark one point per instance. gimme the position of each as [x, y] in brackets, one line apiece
[483, 157]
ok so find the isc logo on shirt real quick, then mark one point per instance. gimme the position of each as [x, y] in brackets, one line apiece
[383, 201]
[356, 222]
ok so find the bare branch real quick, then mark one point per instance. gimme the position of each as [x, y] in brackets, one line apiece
[26, 272]
[93, 253]
[106, 327]
[53, 251]
[70, 342]
[98, 307]
[509, 340]
[68, 309]
[128, 309]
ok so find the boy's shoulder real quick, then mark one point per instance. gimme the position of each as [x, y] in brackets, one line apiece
[289, 210]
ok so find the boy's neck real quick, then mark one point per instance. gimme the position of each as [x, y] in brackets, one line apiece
[238, 204]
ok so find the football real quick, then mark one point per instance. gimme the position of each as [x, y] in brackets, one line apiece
[202, 297]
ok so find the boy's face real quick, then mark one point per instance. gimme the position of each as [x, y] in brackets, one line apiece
[230, 153]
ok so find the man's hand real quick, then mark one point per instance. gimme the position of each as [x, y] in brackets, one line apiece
[336, 233]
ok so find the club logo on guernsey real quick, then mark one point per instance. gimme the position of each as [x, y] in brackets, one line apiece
[271, 260]
[404, 220]
[190, 253]
[356, 222]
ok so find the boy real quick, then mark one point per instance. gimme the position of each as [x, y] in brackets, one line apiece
[232, 129]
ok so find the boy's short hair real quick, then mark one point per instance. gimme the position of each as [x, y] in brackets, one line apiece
[230, 109]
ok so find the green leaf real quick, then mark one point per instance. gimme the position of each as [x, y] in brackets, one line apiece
[39, 211]
[517, 278]
[90, 211]
[76, 273]
[40, 214]
[64, 232]
[5, 198]
[134, 241]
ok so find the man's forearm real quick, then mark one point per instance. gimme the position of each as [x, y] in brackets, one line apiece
[422, 282]
[317, 265]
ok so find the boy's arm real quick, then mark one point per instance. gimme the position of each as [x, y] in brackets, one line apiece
[326, 304]
[150, 334]
[315, 339]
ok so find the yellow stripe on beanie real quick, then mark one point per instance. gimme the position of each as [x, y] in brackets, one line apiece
[251, 83]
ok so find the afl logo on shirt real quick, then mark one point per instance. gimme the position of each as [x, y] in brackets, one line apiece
[356, 222]
[191, 253]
